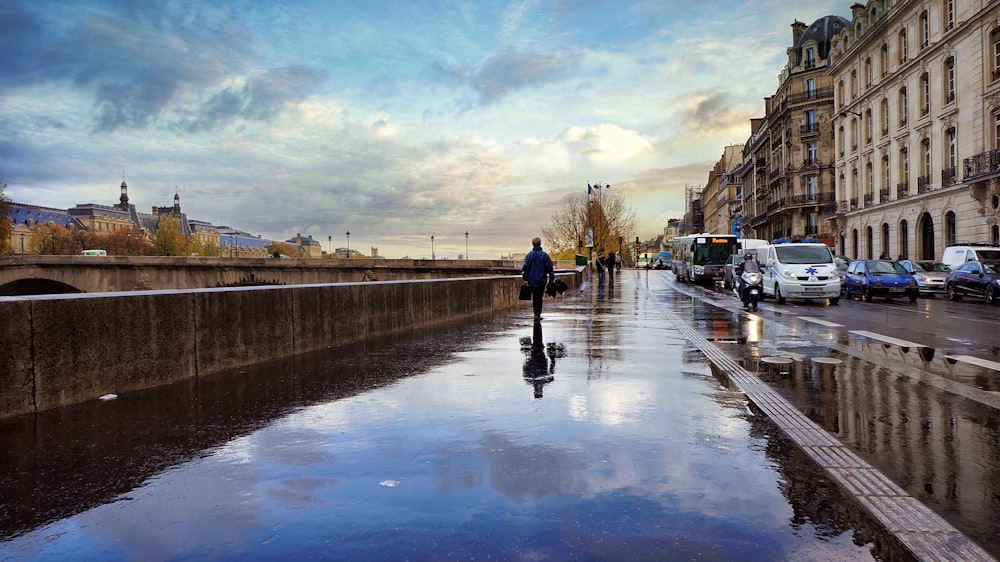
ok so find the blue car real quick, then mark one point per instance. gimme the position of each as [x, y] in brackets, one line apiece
[974, 279]
[880, 278]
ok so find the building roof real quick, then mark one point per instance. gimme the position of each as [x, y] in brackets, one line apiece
[821, 32]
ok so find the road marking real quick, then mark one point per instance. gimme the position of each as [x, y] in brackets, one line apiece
[821, 322]
[886, 339]
[975, 361]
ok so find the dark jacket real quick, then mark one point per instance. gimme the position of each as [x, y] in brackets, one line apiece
[537, 268]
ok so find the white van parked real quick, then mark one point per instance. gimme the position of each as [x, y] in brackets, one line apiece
[955, 256]
[801, 270]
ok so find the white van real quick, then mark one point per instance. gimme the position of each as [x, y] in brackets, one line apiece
[955, 256]
[800, 270]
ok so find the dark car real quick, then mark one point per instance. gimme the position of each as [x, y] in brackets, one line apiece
[930, 275]
[842, 264]
[729, 278]
[880, 278]
[974, 279]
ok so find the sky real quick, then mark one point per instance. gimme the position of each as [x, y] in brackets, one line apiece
[394, 121]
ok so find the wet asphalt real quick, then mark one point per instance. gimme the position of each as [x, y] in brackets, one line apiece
[599, 433]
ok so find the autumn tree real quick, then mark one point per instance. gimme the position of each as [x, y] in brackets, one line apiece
[605, 210]
[169, 239]
[6, 227]
[120, 242]
[281, 248]
[50, 238]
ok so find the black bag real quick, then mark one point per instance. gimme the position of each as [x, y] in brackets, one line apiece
[525, 293]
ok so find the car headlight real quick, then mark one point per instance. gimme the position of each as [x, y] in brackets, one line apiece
[699, 270]
[997, 281]
[788, 273]
[921, 278]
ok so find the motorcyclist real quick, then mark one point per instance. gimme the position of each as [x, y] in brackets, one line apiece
[749, 265]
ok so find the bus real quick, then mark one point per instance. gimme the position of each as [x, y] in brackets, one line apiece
[701, 258]
[94, 253]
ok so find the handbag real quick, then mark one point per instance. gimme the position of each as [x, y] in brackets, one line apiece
[525, 294]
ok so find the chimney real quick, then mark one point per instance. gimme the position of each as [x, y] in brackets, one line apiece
[798, 28]
[858, 11]
[298, 238]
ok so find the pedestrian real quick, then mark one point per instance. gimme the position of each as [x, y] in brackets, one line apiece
[885, 256]
[537, 271]
[611, 267]
[601, 265]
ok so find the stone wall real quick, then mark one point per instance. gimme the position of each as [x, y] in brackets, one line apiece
[62, 349]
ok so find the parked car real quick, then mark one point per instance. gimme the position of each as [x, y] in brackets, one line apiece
[974, 279]
[842, 264]
[729, 277]
[930, 275]
[880, 278]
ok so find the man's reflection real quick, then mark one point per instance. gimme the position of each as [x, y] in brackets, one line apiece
[539, 362]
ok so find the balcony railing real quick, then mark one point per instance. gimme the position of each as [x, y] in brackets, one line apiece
[996, 73]
[774, 173]
[947, 177]
[830, 210]
[981, 164]
[854, 203]
[924, 183]
[818, 93]
[868, 199]
[902, 189]
[809, 128]
[883, 195]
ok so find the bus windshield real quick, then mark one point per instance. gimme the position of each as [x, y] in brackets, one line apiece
[803, 254]
[713, 250]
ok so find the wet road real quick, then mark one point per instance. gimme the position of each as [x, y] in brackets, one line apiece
[600, 434]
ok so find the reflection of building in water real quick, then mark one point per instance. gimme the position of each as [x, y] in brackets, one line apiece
[942, 448]
[540, 359]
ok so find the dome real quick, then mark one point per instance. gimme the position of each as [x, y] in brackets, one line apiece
[822, 31]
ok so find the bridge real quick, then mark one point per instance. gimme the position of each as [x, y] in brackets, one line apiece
[41, 275]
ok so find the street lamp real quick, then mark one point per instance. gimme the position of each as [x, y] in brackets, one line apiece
[466, 245]
[348, 243]
[329, 245]
[432, 246]
[232, 247]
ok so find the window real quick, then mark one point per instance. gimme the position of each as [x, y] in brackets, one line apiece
[854, 83]
[812, 153]
[840, 136]
[949, 71]
[854, 134]
[952, 149]
[840, 87]
[925, 94]
[949, 14]
[869, 182]
[949, 227]
[996, 130]
[885, 173]
[904, 234]
[902, 47]
[925, 30]
[925, 164]
[885, 238]
[810, 58]
[885, 116]
[868, 126]
[996, 54]
[811, 88]
[902, 106]
[904, 165]
[868, 72]
[884, 58]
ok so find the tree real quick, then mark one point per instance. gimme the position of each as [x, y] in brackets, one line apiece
[120, 242]
[606, 210]
[169, 240]
[50, 238]
[281, 248]
[6, 227]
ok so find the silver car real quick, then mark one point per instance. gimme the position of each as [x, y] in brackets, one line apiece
[930, 275]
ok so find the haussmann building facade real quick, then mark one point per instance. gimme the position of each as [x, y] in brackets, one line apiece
[917, 127]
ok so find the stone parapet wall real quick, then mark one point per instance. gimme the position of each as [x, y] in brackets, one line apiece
[62, 349]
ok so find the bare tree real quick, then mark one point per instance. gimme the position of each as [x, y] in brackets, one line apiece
[605, 210]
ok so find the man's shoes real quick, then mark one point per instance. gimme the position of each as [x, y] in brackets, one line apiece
[537, 318]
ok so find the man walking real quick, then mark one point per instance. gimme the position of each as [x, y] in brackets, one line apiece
[611, 267]
[537, 271]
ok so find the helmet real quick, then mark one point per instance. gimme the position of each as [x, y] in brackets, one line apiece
[748, 256]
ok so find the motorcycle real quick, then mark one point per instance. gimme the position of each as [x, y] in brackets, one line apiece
[752, 289]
